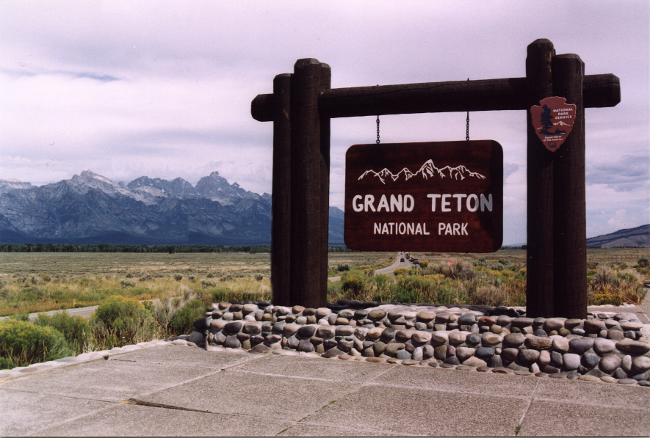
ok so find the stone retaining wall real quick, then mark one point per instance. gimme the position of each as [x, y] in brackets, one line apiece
[606, 346]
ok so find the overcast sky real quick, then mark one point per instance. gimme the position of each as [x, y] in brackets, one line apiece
[163, 89]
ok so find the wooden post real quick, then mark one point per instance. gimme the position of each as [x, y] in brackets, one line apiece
[325, 84]
[539, 290]
[569, 212]
[308, 281]
[281, 209]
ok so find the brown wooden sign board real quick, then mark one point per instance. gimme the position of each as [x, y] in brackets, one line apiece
[442, 196]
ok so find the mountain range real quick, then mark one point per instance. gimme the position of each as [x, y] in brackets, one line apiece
[638, 237]
[92, 209]
[426, 171]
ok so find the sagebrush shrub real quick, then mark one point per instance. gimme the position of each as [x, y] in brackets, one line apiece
[480, 262]
[182, 321]
[122, 321]
[23, 343]
[75, 329]
[127, 283]
[353, 282]
[610, 287]
[226, 294]
[208, 283]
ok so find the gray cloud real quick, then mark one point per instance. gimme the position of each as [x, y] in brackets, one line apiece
[623, 173]
[128, 90]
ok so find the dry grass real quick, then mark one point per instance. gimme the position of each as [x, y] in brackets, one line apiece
[36, 282]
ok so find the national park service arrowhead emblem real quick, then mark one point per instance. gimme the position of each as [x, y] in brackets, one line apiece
[553, 120]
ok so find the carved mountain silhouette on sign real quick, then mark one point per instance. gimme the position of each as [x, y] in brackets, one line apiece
[426, 171]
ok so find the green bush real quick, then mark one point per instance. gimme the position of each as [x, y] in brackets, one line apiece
[6, 363]
[20, 317]
[382, 283]
[23, 343]
[221, 294]
[403, 295]
[149, 305]
[334, 291]
[643, 262]
[353, 282]
[227, 294]
[497, 267]
[127, 283]
[208, 283]
[122, 321]
[182, 321]
[75, 329]
[604, 297]
[165, 309]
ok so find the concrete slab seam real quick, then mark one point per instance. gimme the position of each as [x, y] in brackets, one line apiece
[370, 381]
[65, 362]
[110, 404]
[25, 391]
[528, 404]
[597, 405]
[449, 391]
[359, 431]
[245, 360]
[257, 373]
[165, 388]
[137, 402]
[329, 403]
[242, 361]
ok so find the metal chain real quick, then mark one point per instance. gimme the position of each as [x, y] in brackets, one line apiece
[378, 141]
[467, 125]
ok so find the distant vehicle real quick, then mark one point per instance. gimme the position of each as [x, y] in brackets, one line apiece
[401, 260]
[416, 261]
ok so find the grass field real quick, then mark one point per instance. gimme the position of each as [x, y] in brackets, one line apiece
[36, 282]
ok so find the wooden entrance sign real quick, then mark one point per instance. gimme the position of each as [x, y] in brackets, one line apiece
[302, 105]
[445, 196]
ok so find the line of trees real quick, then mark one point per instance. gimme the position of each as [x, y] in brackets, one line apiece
[59, 247]
[171, 249]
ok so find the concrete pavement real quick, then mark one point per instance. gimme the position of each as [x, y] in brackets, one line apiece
[170, 388]
[162, 388]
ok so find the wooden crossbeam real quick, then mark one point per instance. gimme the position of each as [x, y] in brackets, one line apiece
[603, 90]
